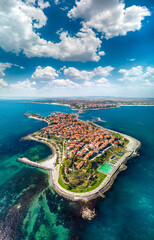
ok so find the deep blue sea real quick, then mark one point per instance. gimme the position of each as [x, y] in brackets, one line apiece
[30, 210]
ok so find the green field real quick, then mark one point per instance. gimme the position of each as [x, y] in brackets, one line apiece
[105, 168]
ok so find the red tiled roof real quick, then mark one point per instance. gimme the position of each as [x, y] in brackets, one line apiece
[80, 165]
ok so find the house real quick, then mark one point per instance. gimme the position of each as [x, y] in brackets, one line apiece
[116, 143]
[80, 165]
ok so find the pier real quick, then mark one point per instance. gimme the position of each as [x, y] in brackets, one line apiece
[33, 164]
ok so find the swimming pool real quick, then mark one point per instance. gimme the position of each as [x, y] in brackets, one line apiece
[105, 168]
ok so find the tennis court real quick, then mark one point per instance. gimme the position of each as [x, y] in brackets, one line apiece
[105, 168]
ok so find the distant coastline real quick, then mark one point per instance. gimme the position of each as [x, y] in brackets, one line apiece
[54, 103]
[80, 110]
[137, 105]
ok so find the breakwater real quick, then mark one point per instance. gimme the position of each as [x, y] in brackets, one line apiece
[33, 164]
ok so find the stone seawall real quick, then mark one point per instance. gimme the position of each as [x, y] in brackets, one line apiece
[85, 197]
[33, 164]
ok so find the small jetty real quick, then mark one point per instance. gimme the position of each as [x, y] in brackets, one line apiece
[33, 164]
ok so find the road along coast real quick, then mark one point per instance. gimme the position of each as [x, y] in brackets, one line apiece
[50, 165]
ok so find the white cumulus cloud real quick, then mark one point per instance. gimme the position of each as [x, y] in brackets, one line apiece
[138, 74]
[43, 4]
[111, 17]
[64, 83]
[103, 71]
[71, 73]
[4, 66]
[81, 47]
[88, 84]
[24, 85]
[45, 73]
[22, 21]
[76, 74]
[3, 83]
[101, 53]
[102, 81]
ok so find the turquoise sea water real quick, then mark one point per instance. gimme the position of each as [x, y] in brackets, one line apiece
[30, 210]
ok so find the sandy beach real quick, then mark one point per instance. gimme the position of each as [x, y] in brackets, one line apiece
[50, 162]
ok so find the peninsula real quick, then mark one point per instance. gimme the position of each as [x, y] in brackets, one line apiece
[86, 157]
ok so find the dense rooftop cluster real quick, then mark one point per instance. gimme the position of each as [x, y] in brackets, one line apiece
[83, 139]
[82, 105]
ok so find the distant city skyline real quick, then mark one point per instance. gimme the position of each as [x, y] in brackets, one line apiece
[76, 48]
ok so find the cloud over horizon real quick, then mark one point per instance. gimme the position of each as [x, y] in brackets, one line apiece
[91, 47]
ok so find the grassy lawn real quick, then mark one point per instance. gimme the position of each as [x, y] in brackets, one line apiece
[117, 135]
[116, 149]
[60, 181]
[80, 189]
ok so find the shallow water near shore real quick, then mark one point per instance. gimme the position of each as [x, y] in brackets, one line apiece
[30, 210]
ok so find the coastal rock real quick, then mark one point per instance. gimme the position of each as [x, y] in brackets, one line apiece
[87, 213]
[123, 167]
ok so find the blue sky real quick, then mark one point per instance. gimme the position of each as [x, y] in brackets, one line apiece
[76, 48]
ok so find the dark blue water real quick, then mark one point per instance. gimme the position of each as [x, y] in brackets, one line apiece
[127, 212]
